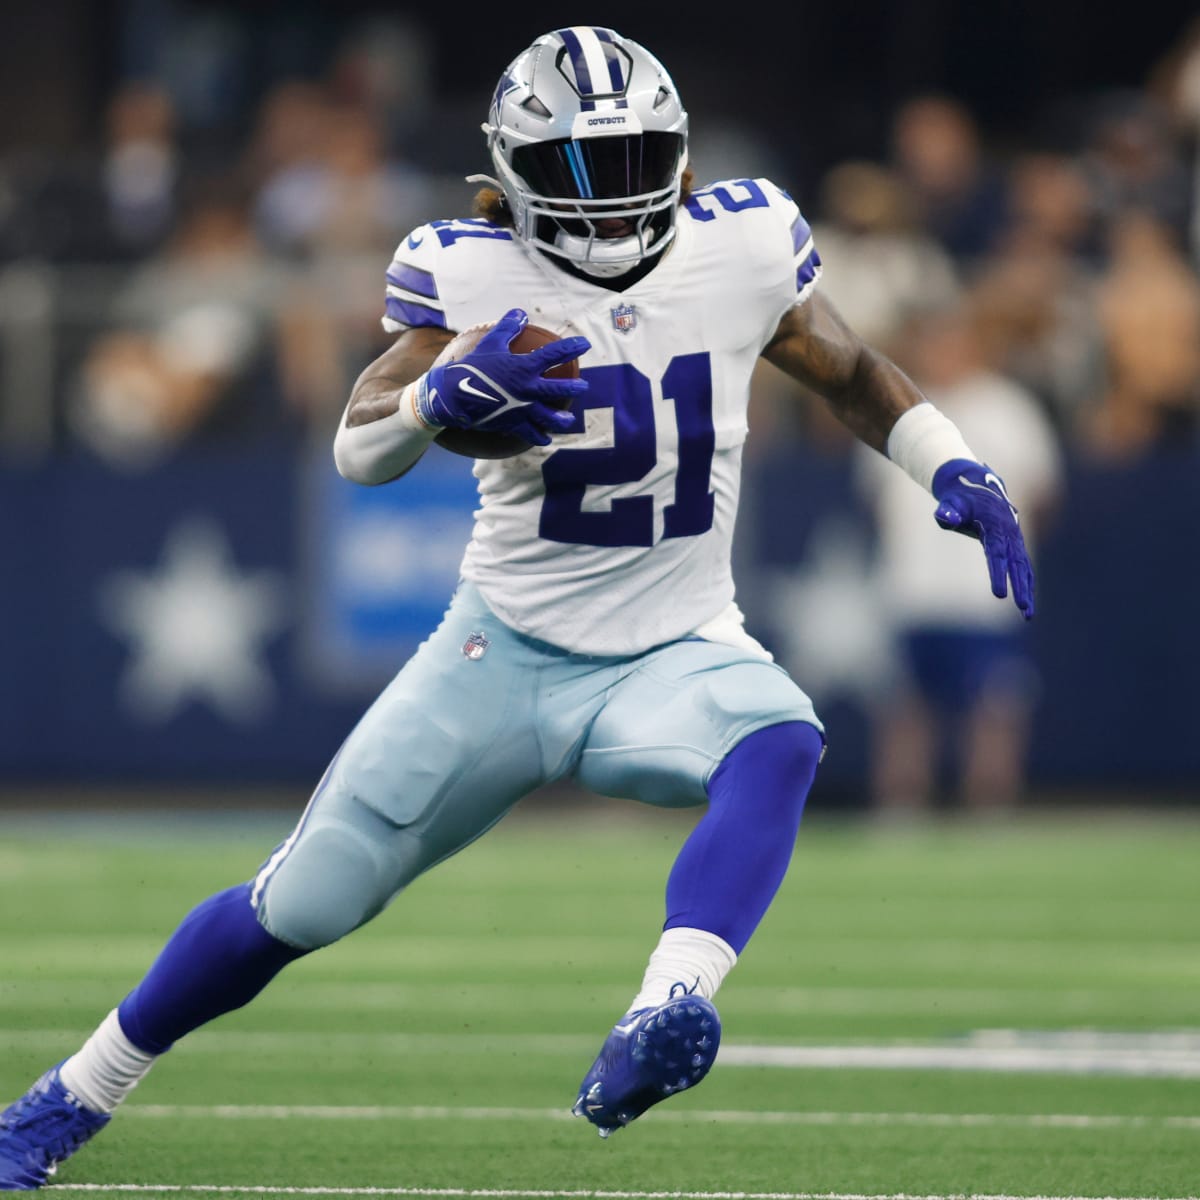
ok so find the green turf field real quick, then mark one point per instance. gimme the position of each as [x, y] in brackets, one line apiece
[1010, 1010]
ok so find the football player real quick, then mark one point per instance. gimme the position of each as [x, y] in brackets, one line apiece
[594, 634]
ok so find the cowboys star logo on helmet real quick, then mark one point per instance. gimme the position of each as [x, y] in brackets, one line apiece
[587, 126]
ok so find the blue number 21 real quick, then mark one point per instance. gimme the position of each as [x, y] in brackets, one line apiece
[629, 521]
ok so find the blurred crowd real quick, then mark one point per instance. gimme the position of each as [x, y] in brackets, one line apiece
[1046, 296]
[164, 286]
[199, 281]
[204, 284]
[1073, 258]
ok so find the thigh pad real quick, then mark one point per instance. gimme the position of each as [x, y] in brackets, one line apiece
[667, 725]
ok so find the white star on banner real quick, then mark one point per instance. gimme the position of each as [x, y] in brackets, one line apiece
[196, 627]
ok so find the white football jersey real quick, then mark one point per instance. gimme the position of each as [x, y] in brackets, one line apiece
[617, 536]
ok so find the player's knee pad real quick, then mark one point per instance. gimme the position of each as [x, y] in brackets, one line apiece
[329, 884]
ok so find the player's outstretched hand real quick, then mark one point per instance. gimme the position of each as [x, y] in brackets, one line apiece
[491, 388]
[972, 500]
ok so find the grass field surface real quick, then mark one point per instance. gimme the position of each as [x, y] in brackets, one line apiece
[1004, 1010]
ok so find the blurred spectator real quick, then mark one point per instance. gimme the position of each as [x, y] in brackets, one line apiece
[384, 64]
[112, 202]
[1149, 306]
[330, 199]
[193, 344]
[1050, 207]
[961, 196]
[1133, 163]
[1175, 85]
[1036, 295]
[880, 267]
[287, 131]
[1037, 317]
[341, 191]
[956, 721]
[141, 168]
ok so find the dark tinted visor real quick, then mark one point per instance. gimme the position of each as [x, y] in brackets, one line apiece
[600, 168]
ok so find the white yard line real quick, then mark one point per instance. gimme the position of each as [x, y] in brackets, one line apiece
[426, 1112]
[1023, 1057]
[553, 1194]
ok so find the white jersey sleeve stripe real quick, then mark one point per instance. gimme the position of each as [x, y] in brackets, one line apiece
[403, 294]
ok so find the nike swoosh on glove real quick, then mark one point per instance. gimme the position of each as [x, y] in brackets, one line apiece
[972, 500]
[493, 389]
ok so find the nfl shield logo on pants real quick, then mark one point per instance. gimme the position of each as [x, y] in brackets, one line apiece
[475, 646]
[624, 318]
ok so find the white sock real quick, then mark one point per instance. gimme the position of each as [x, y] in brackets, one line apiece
[107, 1068]
[689, 959]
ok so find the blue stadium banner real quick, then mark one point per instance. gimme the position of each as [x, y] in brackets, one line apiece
[380, 566]
[227, 616]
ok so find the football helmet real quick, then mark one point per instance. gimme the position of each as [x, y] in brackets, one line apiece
[586, 130]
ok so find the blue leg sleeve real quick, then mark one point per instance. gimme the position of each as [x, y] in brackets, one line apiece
[732, 864]
[218, 959]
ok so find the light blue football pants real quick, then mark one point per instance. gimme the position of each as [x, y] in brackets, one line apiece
[459, 736]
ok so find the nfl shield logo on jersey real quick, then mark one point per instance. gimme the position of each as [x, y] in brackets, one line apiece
[624, 318]
[475, 646]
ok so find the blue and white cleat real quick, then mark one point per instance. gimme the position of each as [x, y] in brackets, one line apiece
[652, 1054]
[38, 1131]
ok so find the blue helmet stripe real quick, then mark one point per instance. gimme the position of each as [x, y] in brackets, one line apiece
[615, 75]
[583, 77]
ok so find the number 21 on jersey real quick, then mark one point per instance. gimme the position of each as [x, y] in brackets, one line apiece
[629, 521]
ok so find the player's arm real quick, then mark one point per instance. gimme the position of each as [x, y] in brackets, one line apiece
[867, 392]
[877, 402]
[380, 436]
[413, 391]
[377, 391]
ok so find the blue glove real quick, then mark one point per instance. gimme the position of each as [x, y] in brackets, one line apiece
[491, 388]
[972, 500]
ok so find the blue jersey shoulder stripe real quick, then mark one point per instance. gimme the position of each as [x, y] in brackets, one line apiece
[413, 279]
[808, 271]
[800, 233]
[408, 313]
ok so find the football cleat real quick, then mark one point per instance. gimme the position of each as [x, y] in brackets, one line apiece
[650, 1055]
[41, 1129]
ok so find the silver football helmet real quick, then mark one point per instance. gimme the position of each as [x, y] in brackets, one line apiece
[589, 142]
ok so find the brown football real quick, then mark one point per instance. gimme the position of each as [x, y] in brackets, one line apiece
[478, 443]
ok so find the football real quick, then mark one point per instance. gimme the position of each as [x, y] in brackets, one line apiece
[479, 443]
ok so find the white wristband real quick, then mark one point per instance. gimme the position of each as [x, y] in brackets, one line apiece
[380, 450]
[922, 439]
